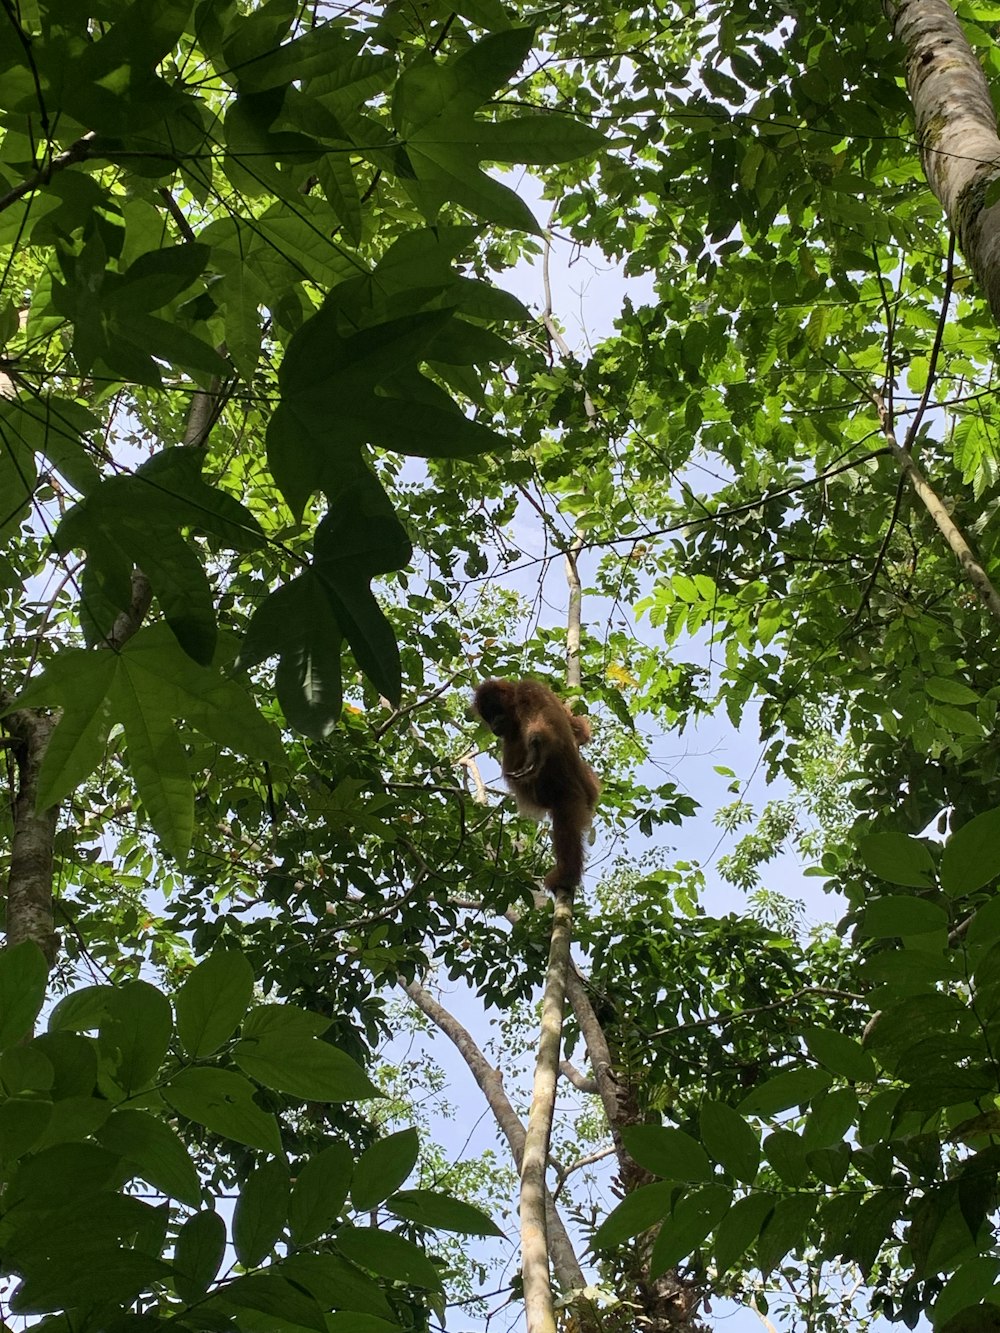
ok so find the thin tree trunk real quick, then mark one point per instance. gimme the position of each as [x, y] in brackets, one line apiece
[29, 882]
[534, 1247]
[569, 1274]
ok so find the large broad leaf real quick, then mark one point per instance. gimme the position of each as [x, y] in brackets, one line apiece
[793, 1087]
[694, 1216]
[305, 622]
[319, 1193]
[898, 859]
[730, 1140]
[147, 686]
[212, 1002]
[135, 1034]
[902, 916]
[667, 1152]
[389, 1255]
[340, 392]
[274, 1295]
[260, 1213]
[138, 520]
[740, 1228]
[430, 1209]
[158, 1155]
[23, 977]
[305, 1067]
[433, 108]
[223, 1102]
[198, 1254]
[636, 1213]
[382, 1168]
[298, 625]
[338, 1285]
[971, 855]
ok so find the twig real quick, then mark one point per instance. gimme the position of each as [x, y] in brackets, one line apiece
[76, 152]
[725, 1020]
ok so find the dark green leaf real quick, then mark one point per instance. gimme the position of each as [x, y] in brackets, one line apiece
[382, 1168]
[261, 1212]
[198, 1254]
[730, 1140]
[793, 1087]
[136, 1033]
[337, 1285]
[155, 1151]
[841, 1054]
[304, 1067]
[740, 1228]
[273, 1294]
[23, 978]
[898, 859]
[971, 855]
[319, 1193]
[223, 1102]
[430, 1209]
[900, 915]
[212, 1002]
[694, 1216]
[389, 1255]
[669, 1153]
[785, 1230]
[636, 1213]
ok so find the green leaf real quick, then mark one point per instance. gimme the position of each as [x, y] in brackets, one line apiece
[785, 1230]
[212, 1002]
[793, 1087]
[540, 139]
[365, 1323]
[786, 1152]
[297, 623]
[382, 1168]
[341, 392]
[971, 856]
[23, 1121]
[950, 691]
[319, 1193]
[272, 1294]
[260, 1213]
[24, 975]
[198, 1254]
[841, 1054]
[740, 1228]
[669, 1153]
[730, 1140]
[969, 1283]
[156, 1152]
[428, 1208]
[157, 277]
[82, 681]
[337, 1285]
[159, 765]
[898, 859]
[694, 1216]
[223, 1102]
[901, 915]
[305, 1068]
[389, 1255]
[636, 1213]
[135, 1034]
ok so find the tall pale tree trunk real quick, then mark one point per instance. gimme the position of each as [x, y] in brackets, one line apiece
[957, 130]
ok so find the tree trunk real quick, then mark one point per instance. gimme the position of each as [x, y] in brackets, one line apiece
[957, 130]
